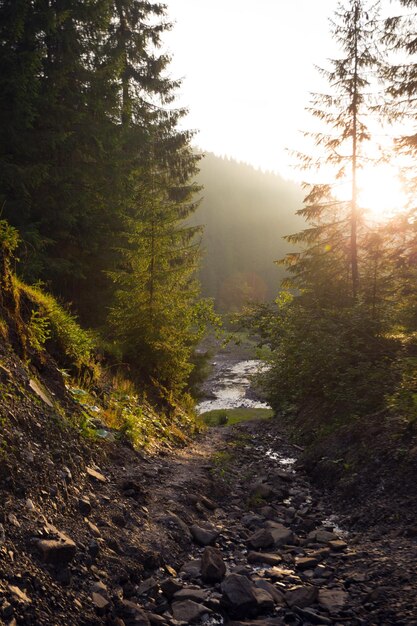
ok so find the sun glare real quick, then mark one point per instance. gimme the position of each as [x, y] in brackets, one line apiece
[381, 194]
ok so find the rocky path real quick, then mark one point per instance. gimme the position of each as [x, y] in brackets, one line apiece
[224, 531]
[258, 544]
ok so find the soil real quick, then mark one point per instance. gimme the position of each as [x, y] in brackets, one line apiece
[227, 529]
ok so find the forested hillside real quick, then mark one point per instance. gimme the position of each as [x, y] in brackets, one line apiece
[245, 213]
[98, 178]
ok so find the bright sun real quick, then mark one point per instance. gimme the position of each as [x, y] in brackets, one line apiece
[381, 194]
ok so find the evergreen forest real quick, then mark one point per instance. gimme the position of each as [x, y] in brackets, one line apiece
[113, 222]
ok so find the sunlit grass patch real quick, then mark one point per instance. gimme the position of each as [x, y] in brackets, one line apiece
[226, 417]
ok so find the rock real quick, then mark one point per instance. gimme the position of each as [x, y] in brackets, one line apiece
[41, 393]
[264, 600]
[281, 535]
[209, 504]
[192, 568]
[100, 602]
[173, 520]
[321, 536]
[93, 549]
[188, 611]
[301, 596]
[264, 557]
[239, 596]
[337, 545]
[306, 562]
[333, 600]
[13, 520]
[2, 535]
[277, 595]
[213, 568]
[94, 530]
[99, 587]
[252, 521]
[66, 474]
[262, 491]
[84, 506]
[18, 595]
[58, 552]
[204, 536]
[261, 538]
[157, 620]
[134, 614]
[170, 586]
[149, 585]
[197, 595]
[96, 475]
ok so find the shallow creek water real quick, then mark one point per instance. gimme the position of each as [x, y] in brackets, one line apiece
[229, 386]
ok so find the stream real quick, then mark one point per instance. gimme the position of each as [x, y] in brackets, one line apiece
[230, 387]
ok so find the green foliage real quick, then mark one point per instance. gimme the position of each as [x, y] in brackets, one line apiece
[51, 324]
[9, 238]
[39, 330]
[338, 362]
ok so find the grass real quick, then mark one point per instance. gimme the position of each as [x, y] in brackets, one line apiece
[222, 417]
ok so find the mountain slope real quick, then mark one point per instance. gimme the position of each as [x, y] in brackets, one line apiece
[246, 213]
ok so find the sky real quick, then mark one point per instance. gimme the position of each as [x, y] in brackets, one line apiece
[247, 68]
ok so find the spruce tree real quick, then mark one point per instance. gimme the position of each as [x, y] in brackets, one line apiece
[331, 241]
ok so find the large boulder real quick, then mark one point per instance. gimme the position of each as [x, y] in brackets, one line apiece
[239, 596]
[213, 568]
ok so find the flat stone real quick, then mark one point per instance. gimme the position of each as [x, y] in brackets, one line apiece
[213, 568]
[58, 552]
[264, 557]
[301, 596]
[172, 519]
[99, 601]
[209, 504]
[306, 562]
[188, 611]
[19, 595]
[321, 536]
[204, 536]
[261, 538]
[134, 614]
[170, 586]
[148, 585]
[192, 568]
[264, 600]
[197, 595]
[333, 600]
[92, 473]
[40, 392]
[338, 545]
[277, 595]
[94, 530]
[281, 535]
